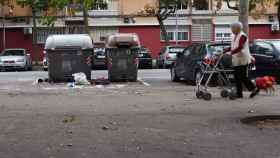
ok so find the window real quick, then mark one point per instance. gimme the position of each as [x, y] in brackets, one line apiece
[13, 53]
[276, 44]
[223, 36]
[223, 33]
[187, 52]
[170, 36]
[182, 5]
[264, 48]
[100, 5]
[43, 33]
[181, 33]
[197, 50]
[182, 36]
[201, 4]
[99, 34]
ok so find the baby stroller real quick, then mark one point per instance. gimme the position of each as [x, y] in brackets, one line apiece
[215, 66]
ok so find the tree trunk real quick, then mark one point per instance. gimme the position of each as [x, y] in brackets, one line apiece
[278, 11]
[163, 30]
[244, 14]
[85, 14]
[34, 38]
[3, 27]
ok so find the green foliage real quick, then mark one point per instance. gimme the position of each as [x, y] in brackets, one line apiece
[262, 3]
[54, 5]
[5, 2]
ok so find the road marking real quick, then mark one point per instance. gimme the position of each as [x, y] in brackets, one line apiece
[143, 82]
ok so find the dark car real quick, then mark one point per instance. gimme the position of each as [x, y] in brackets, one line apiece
[189, 64]
[267, 55]
[99, 60]
[168, 55]
[145, 58]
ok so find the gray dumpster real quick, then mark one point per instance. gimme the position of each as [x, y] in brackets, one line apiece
[122, 57]
[68, 54]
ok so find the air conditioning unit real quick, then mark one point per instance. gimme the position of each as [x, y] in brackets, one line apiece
[275, 27]
[271, 18]
[128, 20]
[27, 31]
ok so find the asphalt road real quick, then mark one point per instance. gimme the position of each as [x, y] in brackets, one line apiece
[152, 118]
[147, 75]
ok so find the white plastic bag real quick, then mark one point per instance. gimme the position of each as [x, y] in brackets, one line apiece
[80, 79]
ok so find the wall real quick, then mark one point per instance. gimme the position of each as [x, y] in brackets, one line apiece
[262, 32]
[134, 6]
[16, 39]
[149, 37]
[18, 10]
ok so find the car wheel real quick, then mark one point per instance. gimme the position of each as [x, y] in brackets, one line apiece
[174, 76]
[160, 66]
[30, 68]
[25, 68]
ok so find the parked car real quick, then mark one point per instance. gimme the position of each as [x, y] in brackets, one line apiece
[99, 60]
[167, 55]
[45, 61]
[15, 59]
[189, 63]
[145, 58]
[267, 56]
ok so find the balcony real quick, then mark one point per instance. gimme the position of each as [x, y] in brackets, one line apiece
[105, 8]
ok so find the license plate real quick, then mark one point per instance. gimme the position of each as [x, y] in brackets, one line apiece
[7, 64]
[231, 76]
[101, 57]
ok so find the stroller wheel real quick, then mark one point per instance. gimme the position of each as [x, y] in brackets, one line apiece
[224, 93]
[232, 96]
[199, 94]
[207, 96]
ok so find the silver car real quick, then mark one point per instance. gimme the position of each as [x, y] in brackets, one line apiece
[168, 55]
[45, 61]
[15, 59]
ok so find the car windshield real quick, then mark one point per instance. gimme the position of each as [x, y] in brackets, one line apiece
[175, 50]
[216, 49]
[99, 51]
[276, 44]
[13, 53]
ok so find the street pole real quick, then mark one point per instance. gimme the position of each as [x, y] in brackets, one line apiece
[177, 27]
[34, 37]
[244, 14]
[3, 28]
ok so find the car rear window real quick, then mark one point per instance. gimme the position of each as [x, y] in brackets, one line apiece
[13, 53]
[276, 44]
[175, 50]
[213, 49]
[99, 51]
[144, 55]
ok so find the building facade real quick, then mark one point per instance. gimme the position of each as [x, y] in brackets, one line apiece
[201, 22]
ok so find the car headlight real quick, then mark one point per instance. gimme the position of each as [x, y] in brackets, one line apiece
[20, 60]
